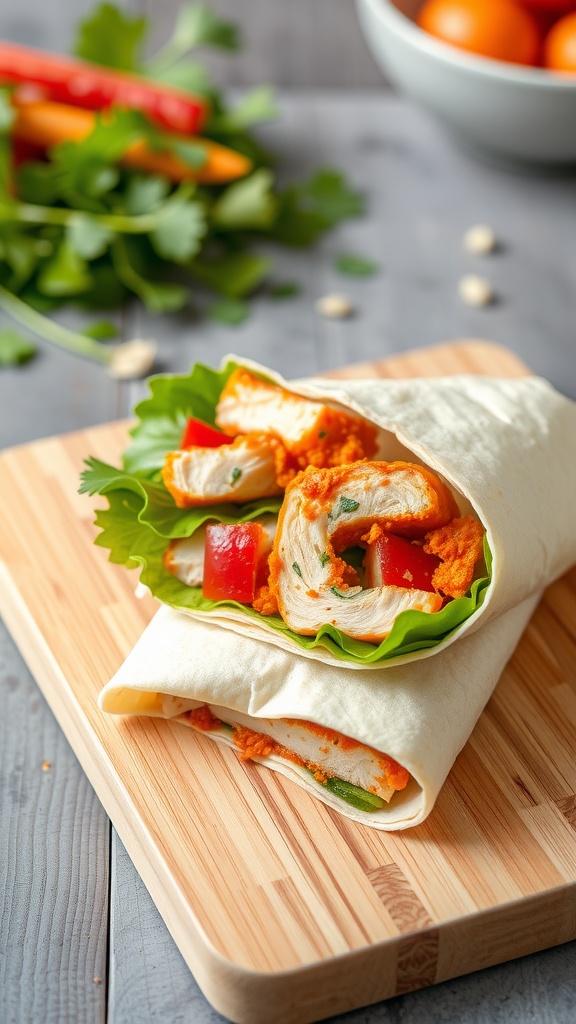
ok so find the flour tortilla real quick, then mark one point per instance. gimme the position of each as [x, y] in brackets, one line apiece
[419, 714]
[507, 449]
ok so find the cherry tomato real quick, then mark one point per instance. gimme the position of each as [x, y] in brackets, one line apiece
[560, 45]
[500, 29]
[198, 434]
[553, 6]
[232, 556]
[394, 562]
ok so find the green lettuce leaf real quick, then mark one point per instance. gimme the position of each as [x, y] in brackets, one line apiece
[142, 518]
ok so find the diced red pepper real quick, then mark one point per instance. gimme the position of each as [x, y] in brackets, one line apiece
[394, 562]
[198, 434]
[232, 557]
[67, 80]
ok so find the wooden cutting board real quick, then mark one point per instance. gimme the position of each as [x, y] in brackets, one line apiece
[283, 909]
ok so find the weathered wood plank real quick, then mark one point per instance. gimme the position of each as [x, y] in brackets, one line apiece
[54, 842]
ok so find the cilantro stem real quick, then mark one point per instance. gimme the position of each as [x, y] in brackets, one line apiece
[50, 330]
[27, 213]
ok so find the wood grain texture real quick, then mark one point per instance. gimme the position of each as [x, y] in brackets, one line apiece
[272, 898]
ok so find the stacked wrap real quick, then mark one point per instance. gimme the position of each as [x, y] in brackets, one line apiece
[507, 449]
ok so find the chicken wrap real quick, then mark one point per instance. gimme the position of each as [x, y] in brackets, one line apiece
[376, 748]
[366, 522]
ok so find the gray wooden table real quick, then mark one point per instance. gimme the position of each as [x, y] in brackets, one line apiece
[80, 939]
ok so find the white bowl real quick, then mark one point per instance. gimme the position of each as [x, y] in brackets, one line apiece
[508, 111]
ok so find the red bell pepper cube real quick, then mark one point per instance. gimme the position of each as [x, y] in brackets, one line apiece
[198, 434]
[233, 554]
[395, 562]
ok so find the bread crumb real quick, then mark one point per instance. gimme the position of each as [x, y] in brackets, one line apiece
[480, 240]
[97, 981]
[46, 766]
[335, 307]
[475, 290]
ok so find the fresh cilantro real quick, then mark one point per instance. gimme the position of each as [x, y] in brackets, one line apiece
[86, 237]
[180, 227]
[284, 290]
[345, 594]
[308, 210]
[235, 274]
[101, 330]
[66, 273]
[297, 569]
[229, 311]
[14, 348]
[324, 558]
[80, 225]
[322, 434]
[248, 203]
[111, 37]
[355, 266]
[236, 474]
[256, 107]
[344, 505]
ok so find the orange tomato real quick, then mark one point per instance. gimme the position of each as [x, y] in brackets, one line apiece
[500, 29]
[560, 45]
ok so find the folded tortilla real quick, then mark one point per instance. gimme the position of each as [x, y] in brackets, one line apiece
[419, 714]
[506, 449]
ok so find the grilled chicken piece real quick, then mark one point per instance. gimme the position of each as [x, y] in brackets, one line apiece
[328, 754]
[237, 472]
[184, 557]
[328, 510]
[313, 433]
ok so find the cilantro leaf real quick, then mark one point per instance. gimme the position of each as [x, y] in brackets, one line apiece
[64, 274]
[355, 266]
[180, 228]
[145, 193]
[157, 296]
[229, 311]
[249, 203]
[234, 274]
[308, 210]
[284, 290]
[110, 37]
[187, 75]
[256, 107]
[101, 330]
[15, 348]
[86, 237]
[197, 25]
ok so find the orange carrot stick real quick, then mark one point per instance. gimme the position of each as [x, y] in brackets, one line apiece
[48, 124]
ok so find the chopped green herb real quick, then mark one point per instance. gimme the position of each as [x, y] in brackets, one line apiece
[14, 348]
[324, 557]
[229, 311]
[297, 569]
[344, 505]
[284, 290]
[345, 594]
[236, 474]
[355, 266]
[322, 434]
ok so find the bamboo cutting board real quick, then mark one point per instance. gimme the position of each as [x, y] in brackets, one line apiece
[283, 909]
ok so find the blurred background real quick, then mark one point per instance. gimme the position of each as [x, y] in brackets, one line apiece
[292, 43]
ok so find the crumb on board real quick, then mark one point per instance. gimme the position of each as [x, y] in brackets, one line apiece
[46, 766]
[475, 290]
[335, 307]
[480, 240]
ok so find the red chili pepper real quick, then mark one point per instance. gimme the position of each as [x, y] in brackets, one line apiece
[67, 80]
[394, 562]
[232, 557]
[198, 434]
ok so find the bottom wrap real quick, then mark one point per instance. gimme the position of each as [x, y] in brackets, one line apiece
[419, 714]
